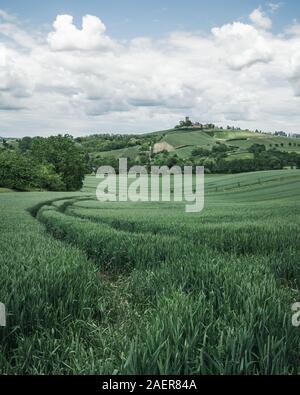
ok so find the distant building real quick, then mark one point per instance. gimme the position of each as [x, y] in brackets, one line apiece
[198, 125]
[281, 134]
[296, 135]
[163, 146]
[188, 124]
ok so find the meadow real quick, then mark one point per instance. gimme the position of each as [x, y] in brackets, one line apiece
[144, 288]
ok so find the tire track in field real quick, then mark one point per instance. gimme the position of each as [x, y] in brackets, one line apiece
[69, 201]
[117, 251]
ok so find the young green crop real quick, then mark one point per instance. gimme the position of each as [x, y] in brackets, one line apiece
[95, 288]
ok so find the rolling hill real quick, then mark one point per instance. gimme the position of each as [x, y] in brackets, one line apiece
[185, 140]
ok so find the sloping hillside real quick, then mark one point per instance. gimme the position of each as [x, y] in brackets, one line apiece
[185, 140]
[218, 150]
[130, 152]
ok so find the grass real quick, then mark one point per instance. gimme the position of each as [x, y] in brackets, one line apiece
[4, 190]
[95, 288]
[131, 152]
[192, 138]
[240, 155]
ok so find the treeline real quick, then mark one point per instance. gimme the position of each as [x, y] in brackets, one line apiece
[55, 163]
[269, 160]
[217, 160]
[59, 163]
[110, 142]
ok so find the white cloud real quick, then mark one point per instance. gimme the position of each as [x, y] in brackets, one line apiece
[245, 45]
[260, 20]
[67, 37]
[275, 6]
[295, 72]
[18, 35]
[83, 81]
[293, 29]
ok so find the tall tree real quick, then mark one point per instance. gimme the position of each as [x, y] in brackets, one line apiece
[66, 157]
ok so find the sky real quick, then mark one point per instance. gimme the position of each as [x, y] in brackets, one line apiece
[124, 66]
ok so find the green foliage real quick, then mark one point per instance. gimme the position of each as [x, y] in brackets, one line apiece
[67, 159]
[17, 171]
[220, 148]
[110, 142]
[201, 152]
[25, 144]
[53, 163]
[48, 179]
[257, 148]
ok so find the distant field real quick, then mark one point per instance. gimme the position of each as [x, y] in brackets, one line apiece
[131, 152]
[185, 140]
[240, 155]
[135, 288]
[2, 190]
[233, 134]
[242, 140]
[180, 138]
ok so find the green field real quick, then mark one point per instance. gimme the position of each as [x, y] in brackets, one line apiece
[186, 140]
[191, 138]
[135, 288]
[2, 190]
[131, 152]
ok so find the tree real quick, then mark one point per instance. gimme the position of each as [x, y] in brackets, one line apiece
[65, 156]
[142, 159]
[17, 171]
[22, 172]
[5, 144]
[173, 161]
[209, 165]
[46, 178]
[105, 161]
[257, 148]
[25, 144]
[199, 151]
[145, 146]
[220, 148]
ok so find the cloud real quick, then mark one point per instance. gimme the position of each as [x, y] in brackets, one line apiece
[245, 45]
[6, 16]
[83, 81]
[67, 37]
[19, 36]
[275, 6]
[295, 73]
[293, 29]
[11, 30]
[260, 20]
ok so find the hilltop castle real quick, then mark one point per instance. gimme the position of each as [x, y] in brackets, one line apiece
[187, 123]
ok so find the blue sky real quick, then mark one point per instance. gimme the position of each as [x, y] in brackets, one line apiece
[131, 18]
[134, 66]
